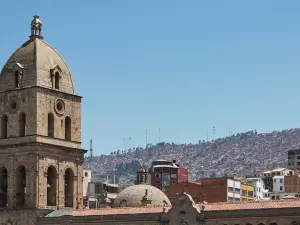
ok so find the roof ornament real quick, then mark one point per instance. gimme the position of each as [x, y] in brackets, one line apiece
[145, 200]
[36, 28]
[141, 176]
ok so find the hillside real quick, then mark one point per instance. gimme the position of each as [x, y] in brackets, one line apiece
[243, 154]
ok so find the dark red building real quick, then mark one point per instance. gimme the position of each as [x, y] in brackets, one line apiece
[163, 173]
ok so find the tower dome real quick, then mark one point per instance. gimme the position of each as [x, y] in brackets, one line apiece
[36, 63]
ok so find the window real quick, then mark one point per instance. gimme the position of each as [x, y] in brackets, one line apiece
[20, 186]
[22, 125]
[57, 77]
[298, 157]
[86, 174]
[158, 175]
[50, 125]
[158, 181]
[69, 187]
[173, 176]
[68, 128]
[4, 130]
[281, 181]
[274, 180]
[16, 79]
[98, 188]
[273, 197]
[280, 188]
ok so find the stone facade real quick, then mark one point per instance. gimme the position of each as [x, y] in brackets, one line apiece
[41, 160]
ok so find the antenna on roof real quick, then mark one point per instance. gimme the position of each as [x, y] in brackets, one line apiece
[159, 135]
[91, 149]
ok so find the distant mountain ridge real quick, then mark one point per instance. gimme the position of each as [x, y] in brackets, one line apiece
[244, 154]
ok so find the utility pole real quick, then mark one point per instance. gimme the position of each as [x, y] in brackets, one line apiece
[146, 138]
[159, 135]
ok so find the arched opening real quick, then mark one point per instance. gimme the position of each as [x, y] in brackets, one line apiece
[57, 80]
[69, 187]
[4, 129]
[50, 125]
[68, 128]
[22, 124]
[20, 186]
[16, 79]
[3, 187]
[51, 186]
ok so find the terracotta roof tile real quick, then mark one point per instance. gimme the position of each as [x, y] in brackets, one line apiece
[221, 206]
[271, 204]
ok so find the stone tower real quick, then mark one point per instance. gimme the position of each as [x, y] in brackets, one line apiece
[41, 160]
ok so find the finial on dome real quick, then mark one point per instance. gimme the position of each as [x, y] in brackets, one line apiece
[36, 28]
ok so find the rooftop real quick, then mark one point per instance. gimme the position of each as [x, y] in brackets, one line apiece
[209, 207]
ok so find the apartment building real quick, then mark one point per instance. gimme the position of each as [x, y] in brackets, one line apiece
[294, 159]
[163, 173]
[270, 174]
[247, 192]
[260, 192]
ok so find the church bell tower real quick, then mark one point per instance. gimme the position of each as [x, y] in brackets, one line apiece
[41, 159]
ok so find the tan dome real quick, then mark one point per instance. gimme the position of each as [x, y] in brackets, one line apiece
[133, 195]
[37, 60]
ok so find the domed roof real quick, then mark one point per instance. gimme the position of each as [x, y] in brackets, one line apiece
[132, 196]
[37, 59]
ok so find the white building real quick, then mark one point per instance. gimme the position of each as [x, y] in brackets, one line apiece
[87, 177]
[278, 184]
[233, 190]
[277, 172]
[260, 192]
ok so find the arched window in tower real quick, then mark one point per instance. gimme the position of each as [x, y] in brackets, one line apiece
[4, 126]
[22, 124]
[20, 186]
[16, 79]
[57, 81]
[50, 125]
[51, 186]
[69, 187]
[68, 128]
[3, 187]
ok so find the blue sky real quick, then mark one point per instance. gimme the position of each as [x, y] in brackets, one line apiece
[181, 66]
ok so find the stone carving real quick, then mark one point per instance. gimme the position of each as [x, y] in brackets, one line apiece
[184, 211]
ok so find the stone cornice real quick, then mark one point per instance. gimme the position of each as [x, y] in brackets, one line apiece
[40, 88]
[40, 144]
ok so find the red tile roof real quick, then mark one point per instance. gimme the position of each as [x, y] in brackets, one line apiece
[209, 207]
[271, 204]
